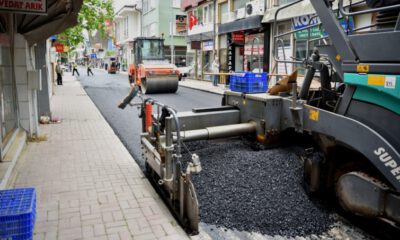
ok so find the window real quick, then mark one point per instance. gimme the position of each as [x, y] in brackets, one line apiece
[176, 3]
[198, 13]
[211, 13]
[152, 49]
[205, 13]
[237, 4]
[148, 5]
[126, 27]
[223, 11]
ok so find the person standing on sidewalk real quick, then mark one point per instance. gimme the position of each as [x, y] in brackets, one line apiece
[215, 70]
[89, 69]
[59, 73]
[74, 65]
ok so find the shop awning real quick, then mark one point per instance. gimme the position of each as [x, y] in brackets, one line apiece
[240, 25]
[60, 16]
[300, 9]
[200, 37]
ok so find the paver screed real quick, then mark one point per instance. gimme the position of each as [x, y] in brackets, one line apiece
[88, 186]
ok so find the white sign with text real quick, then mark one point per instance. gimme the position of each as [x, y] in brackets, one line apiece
[24, 6]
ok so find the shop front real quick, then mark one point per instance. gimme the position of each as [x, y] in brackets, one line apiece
[200, 54]
[242, 44]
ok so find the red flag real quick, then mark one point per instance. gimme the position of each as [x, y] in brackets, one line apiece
[192, 21]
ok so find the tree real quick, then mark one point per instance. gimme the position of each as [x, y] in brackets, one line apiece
[93, 17]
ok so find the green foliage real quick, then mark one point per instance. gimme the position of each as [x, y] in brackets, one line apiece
[110, 53]
[92, 17]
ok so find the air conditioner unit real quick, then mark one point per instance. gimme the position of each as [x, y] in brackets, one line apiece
[256, 7]
[240, 13]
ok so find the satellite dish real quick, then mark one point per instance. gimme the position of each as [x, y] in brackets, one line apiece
[249, 9]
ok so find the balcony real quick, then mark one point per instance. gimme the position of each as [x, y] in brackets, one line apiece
[186, 4]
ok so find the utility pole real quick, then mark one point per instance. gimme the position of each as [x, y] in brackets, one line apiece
[172, 33]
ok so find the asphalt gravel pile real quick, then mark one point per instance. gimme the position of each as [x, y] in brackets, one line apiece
[260, 191]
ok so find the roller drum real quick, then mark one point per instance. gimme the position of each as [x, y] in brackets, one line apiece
[160, 84]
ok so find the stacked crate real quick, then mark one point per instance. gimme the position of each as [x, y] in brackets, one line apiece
[248, 82]
[17, 213]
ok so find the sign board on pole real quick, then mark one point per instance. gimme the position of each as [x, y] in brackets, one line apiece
[195, 45]
[208, 45]
[59, 47]
[24, 6]
[181, 23]
[93, 56]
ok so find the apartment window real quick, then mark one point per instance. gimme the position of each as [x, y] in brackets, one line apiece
[237, 4]
[198, 13]
[176, 3]
[148, 5]
[126, 28]
[223, 11]
[211, 13]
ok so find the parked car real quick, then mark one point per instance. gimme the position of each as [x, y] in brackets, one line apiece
[185, 71]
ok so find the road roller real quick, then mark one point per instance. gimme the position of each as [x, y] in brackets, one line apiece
[351, 121]
[151, 72]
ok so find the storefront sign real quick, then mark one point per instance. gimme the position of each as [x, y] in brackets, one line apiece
[24, 6]
[304, 21]
[315, 32]
[181, 23]
[59, 47]
[195, 45]
[208, 46]
[230, 54]
[238, 37]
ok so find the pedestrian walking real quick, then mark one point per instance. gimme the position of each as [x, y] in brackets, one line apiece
[215, 70]
[75, 69]
[118, 66]
[59, 73]
[89, 69]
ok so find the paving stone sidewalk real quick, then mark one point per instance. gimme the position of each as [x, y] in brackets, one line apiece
[88, 186]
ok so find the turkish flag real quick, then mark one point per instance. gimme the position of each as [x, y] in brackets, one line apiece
[192, 21]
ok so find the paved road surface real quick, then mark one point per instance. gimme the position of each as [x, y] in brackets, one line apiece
[107, 90]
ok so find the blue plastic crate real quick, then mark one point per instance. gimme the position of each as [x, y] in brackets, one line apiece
[249, 82]
[17, 213]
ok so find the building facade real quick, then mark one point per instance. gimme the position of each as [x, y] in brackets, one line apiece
[241, 34]
[164, 18]
[201, 33]
[26, 75]
[127, 26]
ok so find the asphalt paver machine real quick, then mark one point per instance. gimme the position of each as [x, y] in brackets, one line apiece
[353, 120]
[151, 72]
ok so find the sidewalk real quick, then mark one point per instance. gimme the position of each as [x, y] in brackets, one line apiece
[206, 86]
[88, 186]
